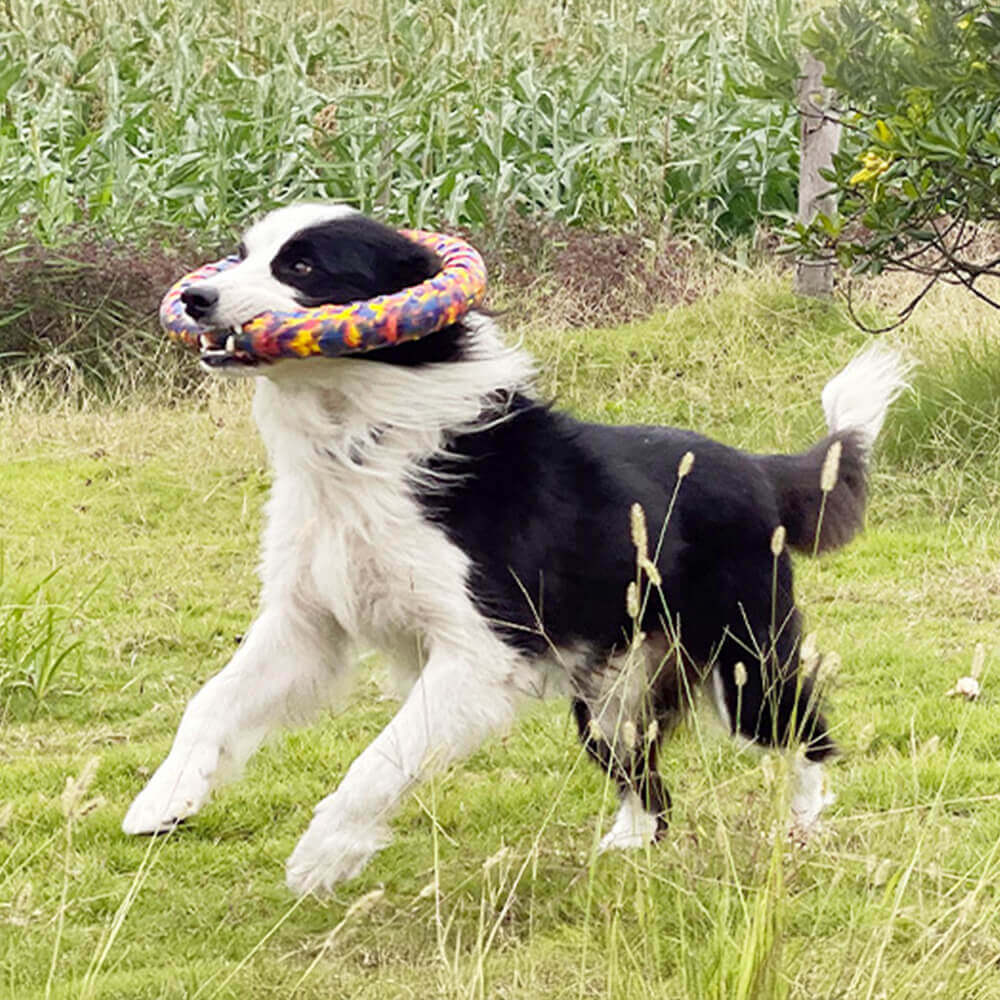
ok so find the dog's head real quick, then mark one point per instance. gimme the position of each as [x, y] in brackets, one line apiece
[314, 254]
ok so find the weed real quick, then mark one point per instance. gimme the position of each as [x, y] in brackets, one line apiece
[36, 641]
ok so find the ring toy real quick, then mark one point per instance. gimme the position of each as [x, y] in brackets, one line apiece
[334, 330]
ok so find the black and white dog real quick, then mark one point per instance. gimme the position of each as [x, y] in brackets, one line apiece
[427, 503]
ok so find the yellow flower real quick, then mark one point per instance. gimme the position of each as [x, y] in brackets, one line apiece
[882, 131]
[872, 166]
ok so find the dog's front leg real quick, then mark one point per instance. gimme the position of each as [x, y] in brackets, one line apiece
[451, 709]
[283, 672]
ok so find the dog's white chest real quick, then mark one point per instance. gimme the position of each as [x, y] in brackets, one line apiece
[360, 551]
[346, 535]
[357, 572]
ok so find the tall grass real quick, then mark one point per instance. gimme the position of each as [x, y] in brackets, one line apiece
[139, 113]
[38, 637]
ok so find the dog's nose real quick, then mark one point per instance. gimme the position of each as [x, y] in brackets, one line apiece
[199, 300]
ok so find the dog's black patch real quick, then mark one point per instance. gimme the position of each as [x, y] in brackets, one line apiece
[355, 258]
[540, 503]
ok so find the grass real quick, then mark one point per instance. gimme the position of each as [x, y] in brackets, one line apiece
[35, 649]
[135, 113]
[492, 887]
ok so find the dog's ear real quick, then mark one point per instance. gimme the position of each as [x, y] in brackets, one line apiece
[413, 265]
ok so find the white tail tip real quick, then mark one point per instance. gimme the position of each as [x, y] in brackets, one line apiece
[858, 397]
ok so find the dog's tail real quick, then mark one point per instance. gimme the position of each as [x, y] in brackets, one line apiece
[822, 492]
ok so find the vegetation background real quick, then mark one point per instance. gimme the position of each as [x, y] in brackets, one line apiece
[625, 166]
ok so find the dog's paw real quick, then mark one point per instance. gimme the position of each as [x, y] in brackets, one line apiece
[632, 829]
[328, 855]
[172, 795]
[810, 799]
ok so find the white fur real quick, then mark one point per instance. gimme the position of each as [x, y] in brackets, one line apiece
[633, 827]
[810, 797]
[348, 560]
[719, 700]
[858, 397]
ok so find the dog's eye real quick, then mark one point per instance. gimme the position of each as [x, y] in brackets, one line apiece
[301, 266]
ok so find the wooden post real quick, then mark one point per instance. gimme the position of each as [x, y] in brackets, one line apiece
[819, 139]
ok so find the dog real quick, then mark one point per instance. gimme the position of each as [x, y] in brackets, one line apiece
[427, 502]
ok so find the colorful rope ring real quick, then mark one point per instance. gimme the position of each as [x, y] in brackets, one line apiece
[333, 330]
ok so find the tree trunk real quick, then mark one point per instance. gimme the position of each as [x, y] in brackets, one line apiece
[819, 139]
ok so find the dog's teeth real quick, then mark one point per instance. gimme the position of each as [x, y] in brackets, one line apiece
[231, 344]
[205, 342]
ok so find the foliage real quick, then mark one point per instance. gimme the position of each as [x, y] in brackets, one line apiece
[36, 637]
[138, 113]
[918, 92]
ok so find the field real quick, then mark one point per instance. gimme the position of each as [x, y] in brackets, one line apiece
[612, 160]
[492, 886]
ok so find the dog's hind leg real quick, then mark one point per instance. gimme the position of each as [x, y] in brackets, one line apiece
[629, 758]
[284, 671]
[770, 701]
[454, 705]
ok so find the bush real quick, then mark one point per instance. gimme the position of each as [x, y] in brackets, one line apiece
[918, 84]
[87, 314]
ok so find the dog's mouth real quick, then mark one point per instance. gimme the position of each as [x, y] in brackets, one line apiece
[221, 349]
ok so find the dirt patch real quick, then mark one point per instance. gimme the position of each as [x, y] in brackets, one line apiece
[594, 278]
[88, 307]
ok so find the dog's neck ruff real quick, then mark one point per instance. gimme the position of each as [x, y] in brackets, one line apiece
[335, 330]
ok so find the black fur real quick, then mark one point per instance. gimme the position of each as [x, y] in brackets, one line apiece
[813, 524]
[357, 258]
[540, 502]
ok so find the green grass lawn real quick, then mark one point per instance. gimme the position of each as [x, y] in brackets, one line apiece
[492, 887]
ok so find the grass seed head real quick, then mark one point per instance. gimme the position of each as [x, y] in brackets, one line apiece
[740, 674]
[685, 464]
[75, 790]
[649, 567]
[630, 735]
[640, 538]
[778, 541]
[831, 467]
[768, 770]
[632, 599]
[494, 859]
[978, 661]
[364, 904]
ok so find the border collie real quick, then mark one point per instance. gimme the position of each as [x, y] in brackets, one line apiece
[426, 502]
